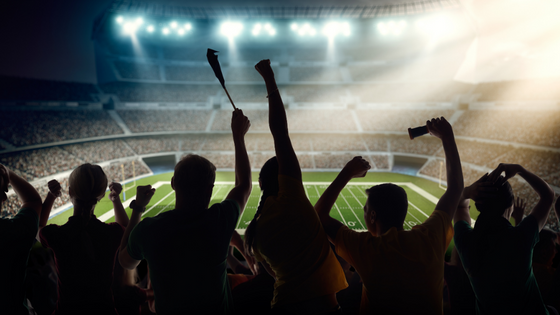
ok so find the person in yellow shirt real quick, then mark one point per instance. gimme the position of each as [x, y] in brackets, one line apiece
[401, 271]
[286, 235]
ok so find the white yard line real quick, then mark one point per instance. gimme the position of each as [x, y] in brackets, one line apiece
[157, 203]
[349, 207]
[415, 207]
[160, 211]
[335, 205]
[415, 218]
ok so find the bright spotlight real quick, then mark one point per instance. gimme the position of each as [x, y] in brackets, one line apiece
[129, 28]
[304, 30]
[312, 32]
[391, 27]
[332, 29]
[139, 21]
[165, 31]
[436, 26]
[181, 32]
[231, 29]
[294, 26]
[173, 24]
[119, 19]
[150, 29]
[188, 26]
[272, 32]
[267, 26]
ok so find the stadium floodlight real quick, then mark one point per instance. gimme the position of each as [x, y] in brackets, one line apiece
[129, 28]
[256, 29]
[391, 27]
[231, 29]
[304, 30]
[181, 32]
[165, 31]
[332, 29]
[173, 24]
[188, 26]
[139, 21]
[267, 28]
[436, 26]
[119, 19]
[150, 29]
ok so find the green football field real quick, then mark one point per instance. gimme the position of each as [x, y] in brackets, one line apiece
[422, 197]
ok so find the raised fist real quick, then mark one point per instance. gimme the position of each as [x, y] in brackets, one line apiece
[54, 188]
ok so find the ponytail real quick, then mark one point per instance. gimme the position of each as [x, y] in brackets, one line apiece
[251, 229]
[268, 179]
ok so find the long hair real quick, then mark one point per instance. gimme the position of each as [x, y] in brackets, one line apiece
[88, 183]
[269, 186]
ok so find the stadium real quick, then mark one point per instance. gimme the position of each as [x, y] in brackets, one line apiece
[353, 77]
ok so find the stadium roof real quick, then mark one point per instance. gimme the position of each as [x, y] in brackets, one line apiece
[280, 9]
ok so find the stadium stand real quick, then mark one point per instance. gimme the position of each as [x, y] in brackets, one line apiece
[377, 143]
[153, 144]
[329, 120]
[334, 142]
[247, 93]
[442, 91]
[126, 49]
[137, 71]
[335, 161]
[189, 73]
[381, 72]
[522, 126]
[23, 128]
[380, 162]
[158, 92]
[542, 163]
[257, 54]
[315, 93]
[519, 90]
[258, 160]
[248, 74]
[426, 145]
[37, 164]
[308, 54]
[191, 142]
[183, 53]
[258, 118]
[479, 153]
[165, 120]
[315, 74]
[114, 171]
[397, 120]
[99, 151]
[222, 142]
[23, 89]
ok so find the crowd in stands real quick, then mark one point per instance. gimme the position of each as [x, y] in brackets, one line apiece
[183, 53]
[137, 71]
[159, 92]
[396, 120]
[259, 120]
[315, 74]
[382, 72]
[36, 164]
[165, 120]
[315, 93]
[480, 153]
[409, 91]
[23, 89]
[23, 128]
[242, 74]
[301, 256]
[520, 90]
[189, 73]
[153, 144]
[246, 93]
[521, 126]
[131, 168]
[99, 151]
[141, 50]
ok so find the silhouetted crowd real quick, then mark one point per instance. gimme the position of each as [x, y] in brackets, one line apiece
[295, 257]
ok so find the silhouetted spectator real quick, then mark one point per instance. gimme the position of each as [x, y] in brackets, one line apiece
[460, 292]
[307, 272]
[402, 271]
[496, 255]
[84, 247]
[161, 239]
[16, 238]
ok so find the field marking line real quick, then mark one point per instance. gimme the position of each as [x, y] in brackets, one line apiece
[245, 210]
[361, 205]
[415, 207]
[412, 215]
[307, 194]
[422, 193]
[217, 191]
[157, 203]
[335, 205]
[349, 207]
[111, 212]
[407, 225]
[166, 206]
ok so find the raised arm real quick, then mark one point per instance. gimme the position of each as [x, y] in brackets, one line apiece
[143, 196]
[243, 183]
[27, 193]
[518, 210]
[287, 160]
[546, 194]
[478, 191]
[357, 167]
[448, 203]
[55, 191]
[120, 215]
